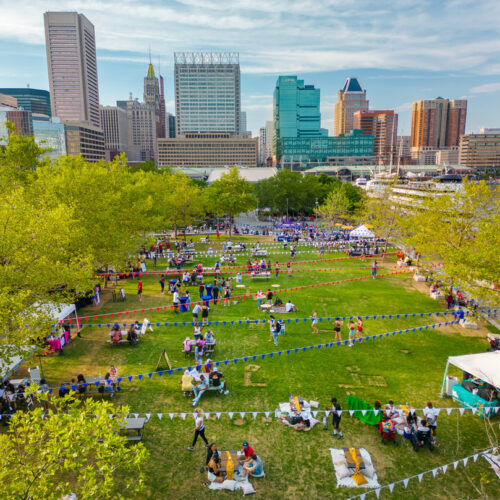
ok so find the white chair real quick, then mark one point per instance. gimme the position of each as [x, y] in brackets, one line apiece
[35, 374]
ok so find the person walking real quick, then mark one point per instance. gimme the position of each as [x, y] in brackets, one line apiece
[336, 411]
[314, 321]
[199, 429]
[162, 284]
[374, 269]
[277, 268]
[139, 290]
[273, 330]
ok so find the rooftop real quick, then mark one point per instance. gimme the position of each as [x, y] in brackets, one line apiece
[352, 85]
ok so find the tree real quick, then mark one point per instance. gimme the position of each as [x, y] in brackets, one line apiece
[462, 231]
[231, 195]
[335, 208]
[384, 213]
[70, 448]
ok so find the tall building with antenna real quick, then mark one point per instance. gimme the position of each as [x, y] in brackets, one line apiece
[154, 96]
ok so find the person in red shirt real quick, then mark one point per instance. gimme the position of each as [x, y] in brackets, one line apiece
[248, 451]
[139, 290]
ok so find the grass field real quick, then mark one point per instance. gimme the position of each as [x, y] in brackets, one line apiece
[406, 368]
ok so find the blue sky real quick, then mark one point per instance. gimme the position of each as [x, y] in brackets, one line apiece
[402, 50]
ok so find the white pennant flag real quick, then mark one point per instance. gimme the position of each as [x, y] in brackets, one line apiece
[160, 415]
[449, 410]
[376, 412]
[362, 496]
[475, 457]
[438, 410]
[377, 492]
[391, 487]
[183, 416]
[230, 415]
[148, 416]
[340, 412]
[445, 468]
[207, 415]
[363, 412]
[171, 415]
[315, 414]
[465, 460]
[254, 414]
[136, 415]
[266, 414]
[461, 410]
[455, 465]
[420, 476]
[277, 413]
[242, 414]
[218, 415]
[351, 412]
[434, 472]
[406, 481]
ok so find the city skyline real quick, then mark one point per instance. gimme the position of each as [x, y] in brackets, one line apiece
[383, 46]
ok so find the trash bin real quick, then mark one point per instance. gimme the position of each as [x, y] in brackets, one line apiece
[184, 305]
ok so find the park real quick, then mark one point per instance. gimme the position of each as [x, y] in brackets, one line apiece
[364, 329]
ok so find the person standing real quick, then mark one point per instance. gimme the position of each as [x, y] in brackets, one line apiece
[176, 301]
[314, 321]
[277, 268]
[215, 291]
[199, 429]
[360, 327]
[374, 269]
[336, 329]
[449, 299]
[274, 330]
[336, 411]
[139, 290]
[352, 332]
[162, 284]
[431, 415]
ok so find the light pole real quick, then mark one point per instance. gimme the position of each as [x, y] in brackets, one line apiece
[287, 208]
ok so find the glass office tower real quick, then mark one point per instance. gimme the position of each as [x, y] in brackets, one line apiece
[207, 92]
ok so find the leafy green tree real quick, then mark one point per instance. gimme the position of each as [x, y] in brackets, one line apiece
[231, 195]
[335, 209]
[461, 230]
[70, 448]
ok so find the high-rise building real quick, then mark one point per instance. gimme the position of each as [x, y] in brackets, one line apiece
[8, 100]
[269, 143]
[262, 145]
[403, 150]
[141, 130]
[154, 96]
[114, 127]
[437, 123]
[50, 135]
[207, 92]
[207, 150]
[170, 125]
[36, 101]
[351, 98]
[295, 111]
[243, 122]
[383, 126]
[83, 138]
[72, 65]
[19, 118]
[481, 151]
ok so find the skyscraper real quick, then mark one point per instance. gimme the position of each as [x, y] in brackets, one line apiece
[262, 145]
[72, 65]
[154, 96]
[351, 98]
[36, 101]
[296, 111]
[207, 92]
[114, 126]
[161, 128]
[437, 123]
[383, 126]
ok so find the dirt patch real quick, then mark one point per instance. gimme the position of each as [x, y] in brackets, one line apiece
[404, 351]
[267, 420]
[239, 421]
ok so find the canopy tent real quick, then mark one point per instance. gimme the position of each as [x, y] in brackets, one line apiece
[58, 312]
[10, 364]
[361, 232]
[482, 365]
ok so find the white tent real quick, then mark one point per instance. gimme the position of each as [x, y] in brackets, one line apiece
[361, 232]
[483, 365]
[57, 312]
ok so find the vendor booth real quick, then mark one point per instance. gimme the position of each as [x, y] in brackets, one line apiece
[481, 386]
[362, 232]
[60, 314]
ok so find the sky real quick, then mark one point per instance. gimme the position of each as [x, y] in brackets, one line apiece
[402, 51]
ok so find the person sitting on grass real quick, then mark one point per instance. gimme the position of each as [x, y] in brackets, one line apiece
[255, 468]
[132, 336]
[215, 473]
[247, 451]
[289, 307]
[187, 383]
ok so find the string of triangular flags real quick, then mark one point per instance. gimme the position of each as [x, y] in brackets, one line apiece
[246, 296]
[277, 413]
[278, 354]
[228, 268]
[376, 317]
[440, 469]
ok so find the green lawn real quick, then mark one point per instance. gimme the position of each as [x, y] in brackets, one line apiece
[406, 368]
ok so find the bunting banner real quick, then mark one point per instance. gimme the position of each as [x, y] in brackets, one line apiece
[232, 322]
[241, 297]
[229, 268]
[296, 350]
[435, 471]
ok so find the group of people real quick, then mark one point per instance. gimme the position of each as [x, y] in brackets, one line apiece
[355, 328]
[197, 382]
[132, 333]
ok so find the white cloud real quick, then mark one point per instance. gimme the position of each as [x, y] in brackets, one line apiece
[486, 88]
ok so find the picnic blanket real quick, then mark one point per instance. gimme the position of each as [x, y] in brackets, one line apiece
[354, 403]
[343, 474]
[285, 408]
[494, 461]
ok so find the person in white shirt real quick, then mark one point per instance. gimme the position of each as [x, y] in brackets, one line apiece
[176, 301]
[431, 415]
[199, 429]
[196, 310]
[289, 307]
